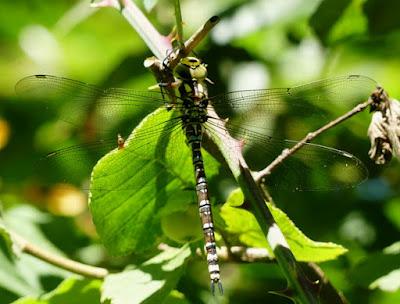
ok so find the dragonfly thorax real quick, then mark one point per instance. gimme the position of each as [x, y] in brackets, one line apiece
[194, 111]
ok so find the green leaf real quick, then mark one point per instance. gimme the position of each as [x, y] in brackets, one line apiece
[243, 223]
[382, 17]
[380, 270]
[151, 282]
[326, 15]
[27, 275]
[129, 220]
[149, 178]
[392, 211]
[337, 20]
[6, 242]
[175, 297]
[29, 222]
[77, 289]
[389, 282]
[10, 278]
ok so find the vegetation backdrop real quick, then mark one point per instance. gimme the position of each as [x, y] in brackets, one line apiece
[257, 44]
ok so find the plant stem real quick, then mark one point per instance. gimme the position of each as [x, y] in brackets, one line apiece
[179, 23]
[59, 261]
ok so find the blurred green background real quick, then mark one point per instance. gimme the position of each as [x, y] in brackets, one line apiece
[257, 44]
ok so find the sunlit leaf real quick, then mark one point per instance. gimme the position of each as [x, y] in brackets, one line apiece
[150, 282]
[10, 277]
[380, 270]
[389, 282]
[131, 187]
[243, 223]
[5, 242]
[176, 297]
[28, 275]
[72, 289]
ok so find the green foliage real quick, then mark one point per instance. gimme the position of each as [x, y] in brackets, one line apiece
[150, 282]
[334, 21]
[147, 179]
[326, 15]
[25, 275]
[380, 270]
[243, 223]
[257, 43]
[392, 211]
[182, 226]
[80, 290]
[5, 242]
[382, 17]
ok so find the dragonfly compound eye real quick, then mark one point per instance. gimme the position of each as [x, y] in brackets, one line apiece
[190, 68]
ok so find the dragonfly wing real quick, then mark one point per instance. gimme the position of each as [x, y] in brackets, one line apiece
[254, 116]
[80, 103]
[311, 102]
[313, 167]
[74, 164]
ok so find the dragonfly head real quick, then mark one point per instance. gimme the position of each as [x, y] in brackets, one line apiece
[191, 68]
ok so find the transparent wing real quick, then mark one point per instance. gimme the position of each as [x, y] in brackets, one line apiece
[311, 102]
[313, 167]
[80, 103]
[254, 118]
[74, 164]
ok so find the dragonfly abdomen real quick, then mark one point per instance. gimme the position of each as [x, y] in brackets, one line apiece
[193, 132]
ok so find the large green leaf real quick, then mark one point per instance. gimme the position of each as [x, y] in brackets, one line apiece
[151, 282]
[149, 178]
[71, 290]
[243, 223]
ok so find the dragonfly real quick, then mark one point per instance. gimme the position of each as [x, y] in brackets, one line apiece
[247, 116]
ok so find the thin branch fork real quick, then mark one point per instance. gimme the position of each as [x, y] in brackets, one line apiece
[260, 175]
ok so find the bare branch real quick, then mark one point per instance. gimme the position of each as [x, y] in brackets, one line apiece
[179, 23]
[59, 261]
